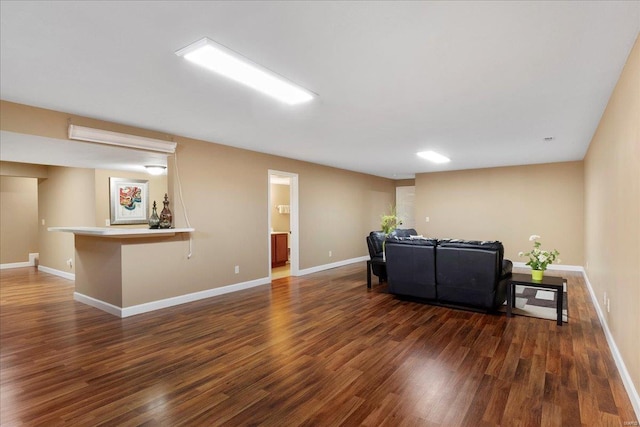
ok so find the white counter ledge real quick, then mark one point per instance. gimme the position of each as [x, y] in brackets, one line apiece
[122, 232]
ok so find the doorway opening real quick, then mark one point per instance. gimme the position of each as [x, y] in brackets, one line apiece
[283, 224]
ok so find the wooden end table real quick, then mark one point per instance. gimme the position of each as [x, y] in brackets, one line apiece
[547, 282]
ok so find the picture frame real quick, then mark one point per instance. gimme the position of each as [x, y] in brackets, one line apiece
[129, 200]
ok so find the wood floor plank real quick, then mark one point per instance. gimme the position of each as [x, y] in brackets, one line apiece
[318, 350]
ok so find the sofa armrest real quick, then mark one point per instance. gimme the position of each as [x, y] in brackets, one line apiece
[507, 267]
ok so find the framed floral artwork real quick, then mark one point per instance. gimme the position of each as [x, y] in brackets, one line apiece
[129, 200]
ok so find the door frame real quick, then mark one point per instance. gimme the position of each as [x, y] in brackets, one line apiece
[294, 228]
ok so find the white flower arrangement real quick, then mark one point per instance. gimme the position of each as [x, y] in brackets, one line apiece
[539, 259]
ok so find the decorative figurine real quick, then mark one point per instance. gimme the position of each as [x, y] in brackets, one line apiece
[166, 218]
[154, 219]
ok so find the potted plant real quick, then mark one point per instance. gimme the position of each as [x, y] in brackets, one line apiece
[389, 223]
[539, 259]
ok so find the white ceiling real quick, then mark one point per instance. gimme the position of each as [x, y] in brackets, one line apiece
[481, 82]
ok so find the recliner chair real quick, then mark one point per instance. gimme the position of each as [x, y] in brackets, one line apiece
[374, 244]
[463, 273]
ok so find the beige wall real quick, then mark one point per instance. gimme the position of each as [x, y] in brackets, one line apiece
[55, 124]
[279, 196]
[18, 218]
[66, 198]
[23, 170]
[225, 192]
[338, 209]
[612, 213]
[507, 204]
[99, 268]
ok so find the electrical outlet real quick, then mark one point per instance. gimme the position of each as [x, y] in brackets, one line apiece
[70, 263]
[426, 219]
[42, 221]
[604, 299]
[237, 269]
[608, 306]
[107, 223]
[330, 254]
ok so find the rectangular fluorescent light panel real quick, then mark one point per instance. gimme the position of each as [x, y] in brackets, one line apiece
[434, 157]
[81, 133]
[222, 60]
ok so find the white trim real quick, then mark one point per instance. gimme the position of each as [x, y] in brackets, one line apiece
[82, 133]
[168, 302]
[332, 265]
[104, 306]
[294, 222]
[31, 263]
[634, 397]
[15, 265]
[557, 267]
[122, 232]
[617, 357]
[55, 272]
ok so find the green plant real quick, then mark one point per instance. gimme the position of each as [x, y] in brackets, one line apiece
[390, 222]
[539, 259]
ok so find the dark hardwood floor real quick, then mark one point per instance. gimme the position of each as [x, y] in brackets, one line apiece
[317, 350]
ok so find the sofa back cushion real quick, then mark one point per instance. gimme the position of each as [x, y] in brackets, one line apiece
[403, 232]
[375, 239]
[468, 271]
[374, 243]
[411, 266]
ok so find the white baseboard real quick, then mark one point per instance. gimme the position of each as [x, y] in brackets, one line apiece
[55, 272]
[15, 265]
[168, 302]
[33, 261]
[104, 306]
[332, 265]
[617, 357]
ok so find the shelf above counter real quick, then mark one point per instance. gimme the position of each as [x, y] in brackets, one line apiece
[122, 232]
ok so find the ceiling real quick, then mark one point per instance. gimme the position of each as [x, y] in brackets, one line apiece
[481, 82]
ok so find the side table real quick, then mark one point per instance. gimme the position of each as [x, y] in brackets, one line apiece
[547, 282]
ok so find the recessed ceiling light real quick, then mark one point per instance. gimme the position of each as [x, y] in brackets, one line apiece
[434, 157]
[222, 60]
[155, 169]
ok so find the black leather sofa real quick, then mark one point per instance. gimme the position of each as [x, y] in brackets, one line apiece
[374, 244]
[463, 273]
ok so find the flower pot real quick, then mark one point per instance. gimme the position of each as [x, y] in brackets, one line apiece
[537, 275]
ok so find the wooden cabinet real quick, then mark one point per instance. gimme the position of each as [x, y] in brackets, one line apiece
[279, 249]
